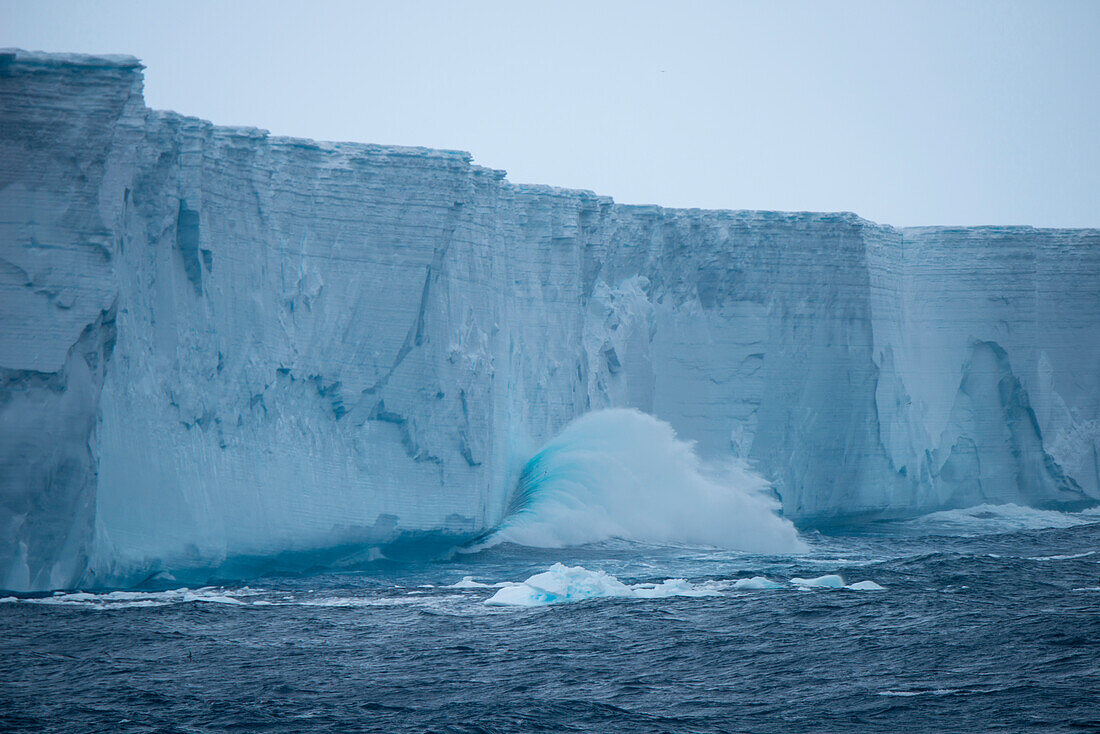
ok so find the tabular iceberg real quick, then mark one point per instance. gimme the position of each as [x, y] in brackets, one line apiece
[215, 342]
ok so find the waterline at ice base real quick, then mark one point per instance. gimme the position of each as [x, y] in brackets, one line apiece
[611, 475]
[227, 352]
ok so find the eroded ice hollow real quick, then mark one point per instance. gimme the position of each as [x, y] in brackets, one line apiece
[217, 343]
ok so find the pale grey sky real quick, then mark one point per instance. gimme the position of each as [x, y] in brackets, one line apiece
[906, 113]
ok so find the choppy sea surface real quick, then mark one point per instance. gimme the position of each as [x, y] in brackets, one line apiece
[987, 620]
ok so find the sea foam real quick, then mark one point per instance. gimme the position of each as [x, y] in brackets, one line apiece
[1006, 518]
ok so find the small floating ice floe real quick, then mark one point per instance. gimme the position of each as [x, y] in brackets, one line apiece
[866, 586]
[830, 581]
[467, 582]
[833, 581]
[563, 583]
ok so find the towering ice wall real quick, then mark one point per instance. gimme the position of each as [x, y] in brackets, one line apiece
[215, 343]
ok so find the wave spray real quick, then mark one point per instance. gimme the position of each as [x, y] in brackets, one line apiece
[621, 473]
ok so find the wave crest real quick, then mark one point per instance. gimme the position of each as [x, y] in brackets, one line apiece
[620, 473]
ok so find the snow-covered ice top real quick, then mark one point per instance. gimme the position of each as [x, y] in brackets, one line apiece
[45, 58]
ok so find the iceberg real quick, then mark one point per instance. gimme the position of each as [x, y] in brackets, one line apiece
[218, 344]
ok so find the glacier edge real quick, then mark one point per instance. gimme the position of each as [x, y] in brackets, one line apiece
[217, 343]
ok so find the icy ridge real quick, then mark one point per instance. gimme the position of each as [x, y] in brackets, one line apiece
[215, 342]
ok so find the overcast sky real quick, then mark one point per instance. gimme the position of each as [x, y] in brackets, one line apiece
[909, 113]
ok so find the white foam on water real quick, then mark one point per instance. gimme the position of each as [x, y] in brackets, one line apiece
[842, 561]
[352, 602]
[141, 599]
[1069, 557]
[988, 519]
[931, 692]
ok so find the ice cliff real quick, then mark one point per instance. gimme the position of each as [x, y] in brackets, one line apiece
[217, 343]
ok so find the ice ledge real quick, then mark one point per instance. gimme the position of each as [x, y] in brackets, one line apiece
[348, 149]
[47, 58]
[752, 216]
[343, 150]
[994, 229]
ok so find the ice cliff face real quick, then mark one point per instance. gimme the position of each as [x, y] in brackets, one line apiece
[216, 343]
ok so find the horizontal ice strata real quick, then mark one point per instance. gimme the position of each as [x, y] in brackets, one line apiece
[219, 344]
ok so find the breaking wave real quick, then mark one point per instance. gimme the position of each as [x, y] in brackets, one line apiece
[620, 473]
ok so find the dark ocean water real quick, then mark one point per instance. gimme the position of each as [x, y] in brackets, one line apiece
[985, 624]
